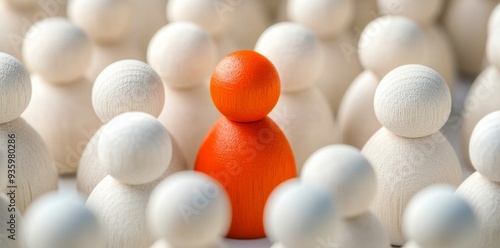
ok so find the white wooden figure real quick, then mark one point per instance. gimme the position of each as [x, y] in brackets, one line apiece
[189, 209]
[108, 24]
[149, 17]
[408, 153]
[436, 217]
[300, 215]
[124, 86]
[57, 53]
[482, 188]
[61, 221]
[27, 153]
[386, 43]
[349, 177]
[482, 97]
[466, 23]
[184, 56]
[136, 150]
[214, 17]
[330, 21]
[441, 55]
[16, 17]
[302, 111]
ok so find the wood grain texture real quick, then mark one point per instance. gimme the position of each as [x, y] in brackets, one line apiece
[249, 160]
[404, 166]
[484, 146]
[15, 85]
[484, 197]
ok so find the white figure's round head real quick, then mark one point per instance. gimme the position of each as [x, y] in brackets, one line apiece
[104, 21]
[135, 148]
[391, 41]
[57, 50]
[346, 174]
[484, 147]
[59, 221]
[494, 21]
[436, 217]
[127, 86]
[423, 12]
[295, 52]
[212, 16]
[183, 55]
[15, 88]
[412, 101]
[300, 215]
[326, 18]
[189, 209]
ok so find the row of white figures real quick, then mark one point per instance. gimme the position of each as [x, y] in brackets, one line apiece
[482, 98]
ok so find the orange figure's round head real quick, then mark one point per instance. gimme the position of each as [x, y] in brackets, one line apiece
[245, 86]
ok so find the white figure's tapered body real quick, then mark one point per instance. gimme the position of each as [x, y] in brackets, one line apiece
[412, 102]
[184, 65]
[302, 111]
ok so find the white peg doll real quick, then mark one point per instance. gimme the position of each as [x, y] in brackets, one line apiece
[482, 97]
[57, 53]
[466, 24]
[330, 20]
[436, 217]
[300, 215]
[409, 152]
[482, 188]
[16, 17]
[27, 154]
[124, 86]
[349, 177]
[397, 40]
[60, 221]
[302, 111]
[184, 56]
[189, 209]
[214, 17]
[135, 149]
[107, 23]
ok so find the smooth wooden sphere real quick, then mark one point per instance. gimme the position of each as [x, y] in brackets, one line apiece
[15, 88]
[326, 18]
[182, 54]
[299, 215]
[412, 101]
[61, 221]
[493, 47]
[403, 167]
[424, 12]
[121, 212]
[484, 197]
[127, 86]
[214, 17]
[104, 21]
[485, 147]
[189, 209]
[135, 148]
[295, 51]
[245, 86]
[436, 217]
[396, 39]
[346, 174]
[494, 20]
[57, 50]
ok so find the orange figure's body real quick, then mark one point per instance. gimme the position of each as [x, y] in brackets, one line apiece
[245, 151]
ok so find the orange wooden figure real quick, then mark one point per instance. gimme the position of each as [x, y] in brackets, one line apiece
[245, 151]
